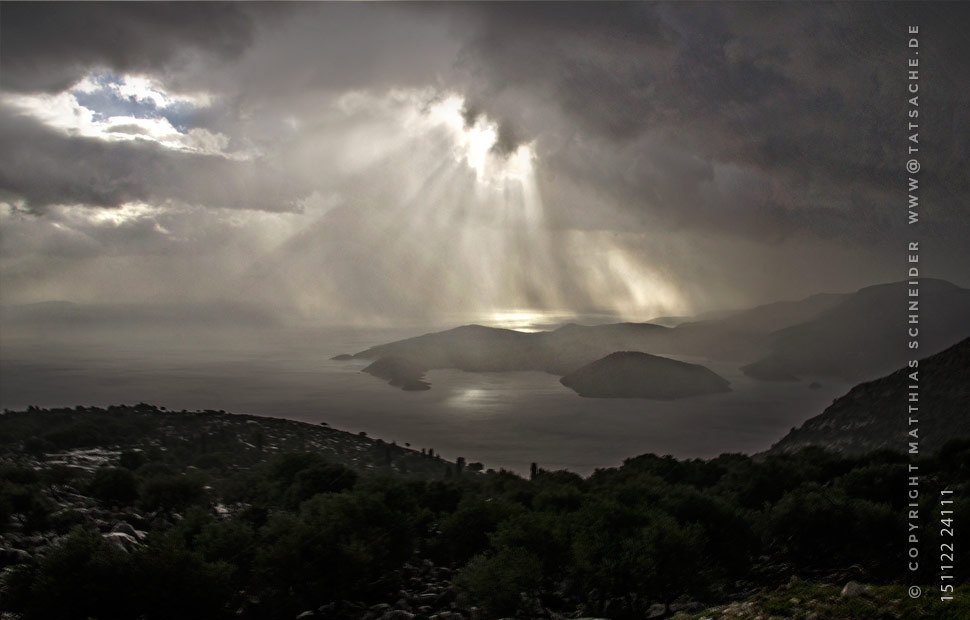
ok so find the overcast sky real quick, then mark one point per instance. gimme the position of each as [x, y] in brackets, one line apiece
[371, 163]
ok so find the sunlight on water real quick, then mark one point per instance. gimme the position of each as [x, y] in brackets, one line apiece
[469, 398]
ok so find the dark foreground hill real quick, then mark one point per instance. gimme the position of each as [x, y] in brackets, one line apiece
[874, 415]
[135, 512]
[631, 374]
[88, 437]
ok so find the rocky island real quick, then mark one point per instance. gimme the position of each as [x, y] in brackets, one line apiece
[631, 374]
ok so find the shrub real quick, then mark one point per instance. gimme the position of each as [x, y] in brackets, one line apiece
[496, 582]
[171, 492]
[114, 485]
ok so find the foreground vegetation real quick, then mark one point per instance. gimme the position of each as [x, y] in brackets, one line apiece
[138, 512]
[801, 600]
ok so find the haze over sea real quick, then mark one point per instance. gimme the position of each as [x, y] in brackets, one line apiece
[504, 420]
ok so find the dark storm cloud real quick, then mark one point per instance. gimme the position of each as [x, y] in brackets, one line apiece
[48, 46]
[45, 167]
[807, 99]
[719, 147]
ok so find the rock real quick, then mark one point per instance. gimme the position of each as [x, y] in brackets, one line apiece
[397, 614]
[121, 541]
[343, 357]
[657, 610]
[125, 528]
[853, 589]
[305, 614]
[691, 607]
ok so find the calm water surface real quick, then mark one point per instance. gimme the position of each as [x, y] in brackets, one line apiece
[501, 419]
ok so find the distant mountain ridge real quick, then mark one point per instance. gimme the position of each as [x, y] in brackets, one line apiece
[865, 334]
[476, 348]
[854, 337]
[874, 415]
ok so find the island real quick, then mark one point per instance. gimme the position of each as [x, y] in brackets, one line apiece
[632, 374]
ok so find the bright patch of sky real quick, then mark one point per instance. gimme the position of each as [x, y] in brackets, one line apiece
[114, 108]
[475, 144]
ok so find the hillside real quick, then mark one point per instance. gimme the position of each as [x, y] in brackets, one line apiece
[873, 415]
[631, 374]
[137, 512]
[207, 439]
[745, 335]
[864, 336]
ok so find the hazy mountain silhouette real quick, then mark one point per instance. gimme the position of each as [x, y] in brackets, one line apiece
[852, 336]
[873, 415]
[630, 374]
[865, 334]
[744, 335]
[478, 348]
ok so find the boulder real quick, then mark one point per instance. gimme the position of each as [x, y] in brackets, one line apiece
[853, 589]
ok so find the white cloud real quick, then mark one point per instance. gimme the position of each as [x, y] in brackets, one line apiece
[63, 111]
[144, 88]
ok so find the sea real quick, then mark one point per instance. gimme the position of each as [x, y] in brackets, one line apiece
[505, 420]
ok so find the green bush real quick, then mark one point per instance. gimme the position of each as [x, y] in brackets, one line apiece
[464, 533]
[81, 578]
[171, 492]
[114, 485]
[495, 583]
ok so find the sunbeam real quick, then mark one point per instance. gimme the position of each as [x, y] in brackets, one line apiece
[449, 226]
